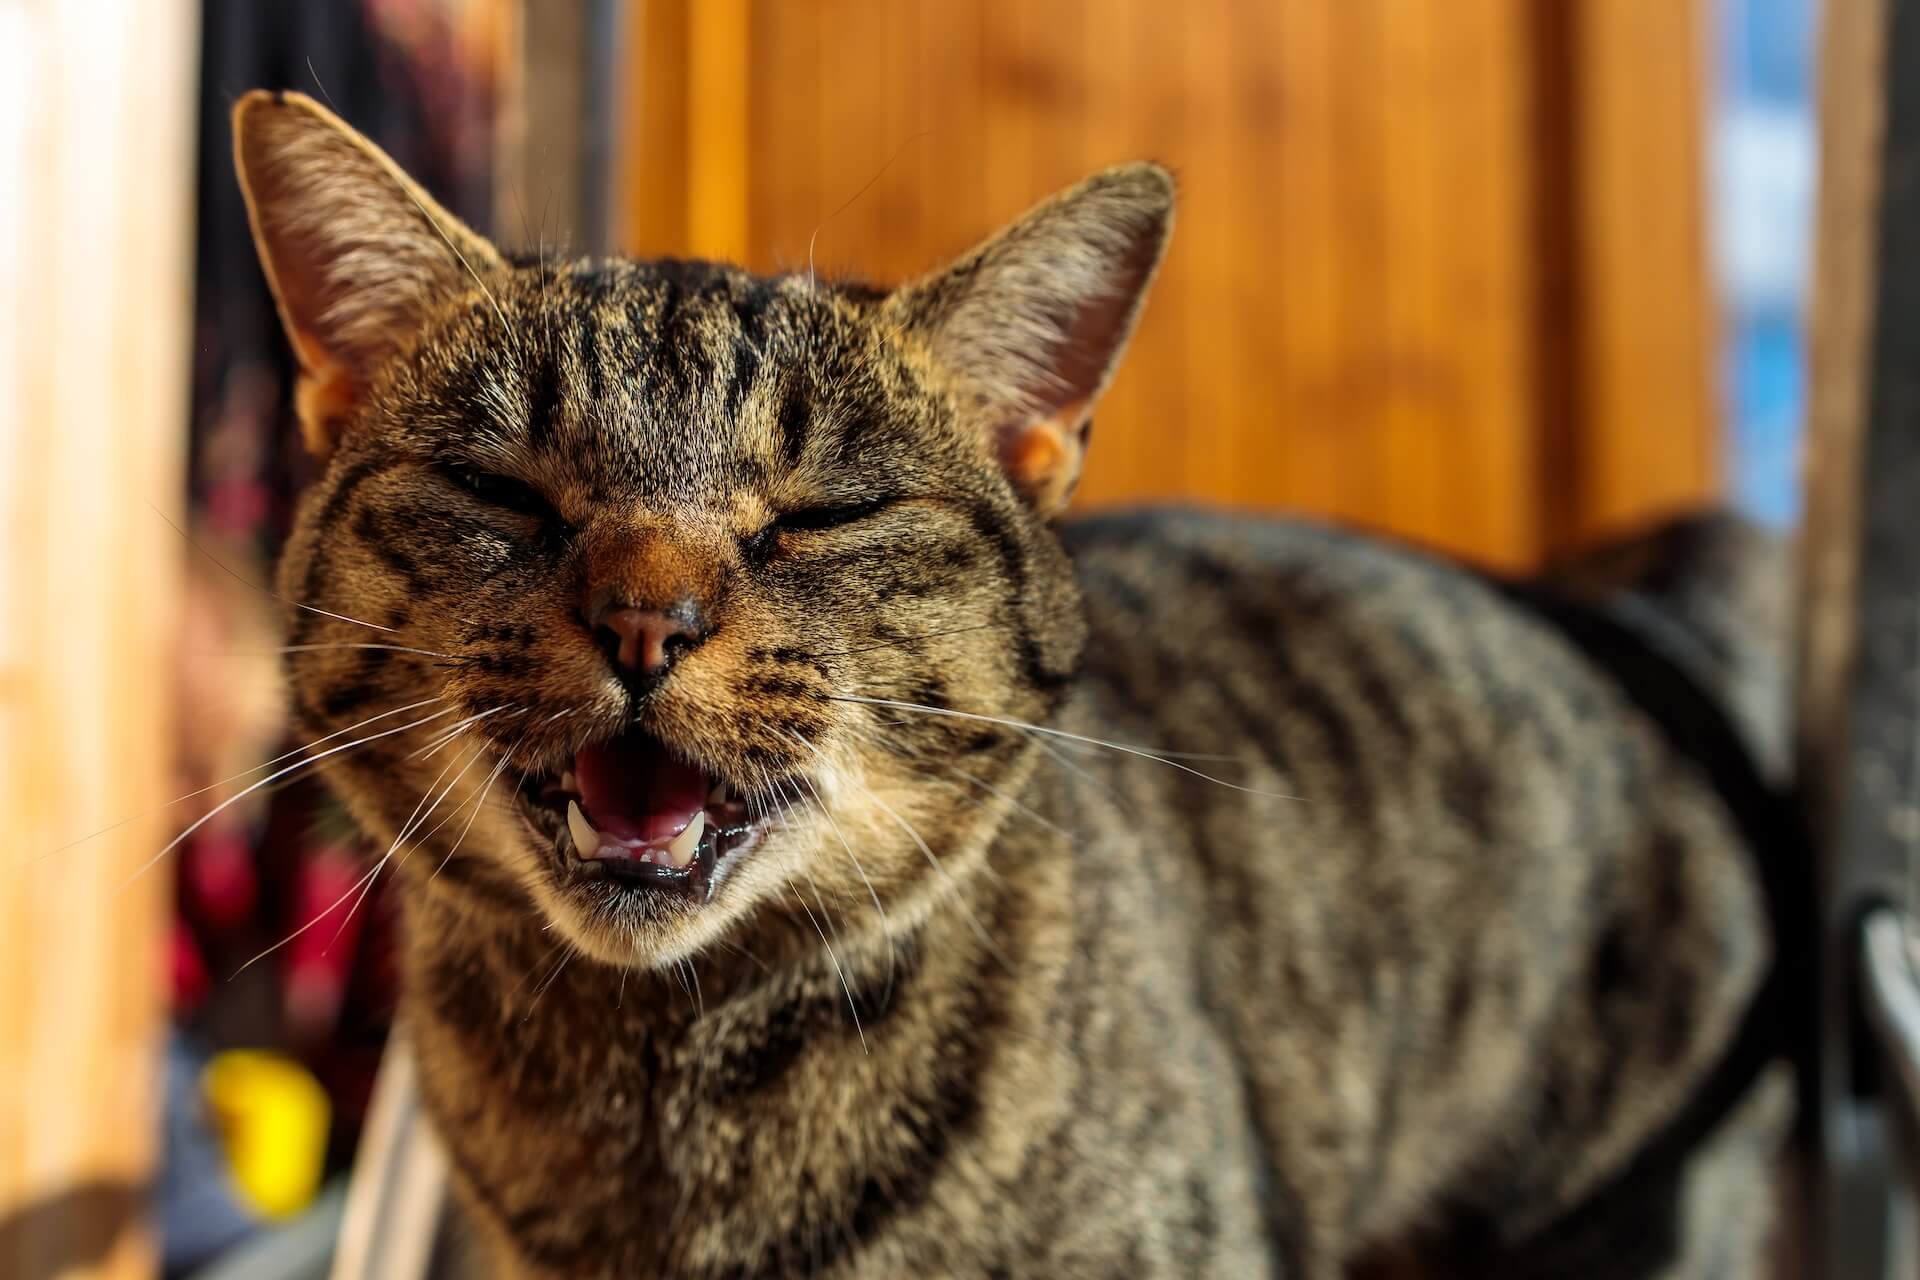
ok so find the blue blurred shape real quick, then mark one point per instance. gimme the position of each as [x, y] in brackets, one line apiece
[1763, 174]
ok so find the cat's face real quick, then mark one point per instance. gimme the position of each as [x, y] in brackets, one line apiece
[761, 470]
[680, 595]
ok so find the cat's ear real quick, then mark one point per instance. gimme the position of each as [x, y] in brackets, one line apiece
[355, 251]
[1032, 321]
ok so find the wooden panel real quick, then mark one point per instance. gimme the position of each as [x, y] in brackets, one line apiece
[1464, 446]
[1854, 84]
[718, 176]
[1644, 332]
[96, 109]
[1350, 320]
[651, 183]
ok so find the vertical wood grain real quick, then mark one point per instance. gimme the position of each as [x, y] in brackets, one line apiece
[95, 245]
[1261, 112]
[1348, 322]
[1853, 109]
[1415, 419]
[1487, 162]
[651, 182]
[1645, 359]
[718, 43]
[1205, 271]
[1303, 279]
[1138, 452]
[786, 127]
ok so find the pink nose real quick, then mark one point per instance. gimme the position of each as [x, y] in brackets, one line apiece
[645, 642]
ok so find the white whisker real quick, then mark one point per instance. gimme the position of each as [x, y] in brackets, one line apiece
[466, 763]
[390, 648]
[265, 764]
[1063, 734]
[432, 748]
[886, 926]
[270, 594]
[699, 996]
[526, 979]
[499, 767]
[552, 978]
[933, 861]
[1098, 784]
[362, 885]
[1018, 805]
[852, 1006]
[486, 292]
[238, 796]
[318, 916]
[404, 833]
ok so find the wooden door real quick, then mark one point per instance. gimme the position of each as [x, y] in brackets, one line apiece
[1438, 265]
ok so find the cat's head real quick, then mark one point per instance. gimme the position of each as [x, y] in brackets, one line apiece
[743, 578]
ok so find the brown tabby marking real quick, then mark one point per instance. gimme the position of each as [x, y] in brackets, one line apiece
[974, 995]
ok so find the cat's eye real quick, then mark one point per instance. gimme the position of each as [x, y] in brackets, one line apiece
[828, 517]
[814, 519]
[503, 491]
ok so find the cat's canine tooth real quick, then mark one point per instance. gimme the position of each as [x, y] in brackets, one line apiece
[680, 852]
[586, 841]
[569, 783]
[719, 793]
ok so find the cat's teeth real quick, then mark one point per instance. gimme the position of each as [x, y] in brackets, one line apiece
[680, 852]
[586, 841]
[569, 783]
[719, 793]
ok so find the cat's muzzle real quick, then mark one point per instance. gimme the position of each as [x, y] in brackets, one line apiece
[632, 811]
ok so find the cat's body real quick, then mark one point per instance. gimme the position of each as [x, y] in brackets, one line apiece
[1190, 896]
[1483, 958]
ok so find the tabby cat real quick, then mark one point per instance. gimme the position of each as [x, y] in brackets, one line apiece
[818, 858]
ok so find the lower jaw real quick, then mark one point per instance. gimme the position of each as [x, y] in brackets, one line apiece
[691, 884]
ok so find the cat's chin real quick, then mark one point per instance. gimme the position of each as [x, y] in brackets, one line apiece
[721, 834]
[631, 913]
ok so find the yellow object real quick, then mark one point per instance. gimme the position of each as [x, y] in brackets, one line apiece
[272, 1117]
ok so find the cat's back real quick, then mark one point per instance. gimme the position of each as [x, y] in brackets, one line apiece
[1207, 626]
[1458, 867]
[1390, 728]
[1369, 649]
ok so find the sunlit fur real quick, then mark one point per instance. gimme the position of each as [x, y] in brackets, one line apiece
[667, 454]
[1156, 896]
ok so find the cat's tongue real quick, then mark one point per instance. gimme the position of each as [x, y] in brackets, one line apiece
[636, 793]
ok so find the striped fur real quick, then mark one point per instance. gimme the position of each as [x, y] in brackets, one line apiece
[1417, 931]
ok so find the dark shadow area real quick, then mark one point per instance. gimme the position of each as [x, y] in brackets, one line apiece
[74, 1229]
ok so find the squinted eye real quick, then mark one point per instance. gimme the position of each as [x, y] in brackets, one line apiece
[827, 517]
[813, 519]
[503, 491]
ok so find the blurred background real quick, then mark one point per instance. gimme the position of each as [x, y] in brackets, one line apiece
[1501, 277]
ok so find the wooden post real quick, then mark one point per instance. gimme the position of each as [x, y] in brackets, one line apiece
[97, 159]
[1859, 704]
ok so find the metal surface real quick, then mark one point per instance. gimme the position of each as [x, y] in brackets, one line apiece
[1890, 996]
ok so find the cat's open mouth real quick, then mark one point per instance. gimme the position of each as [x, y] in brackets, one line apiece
[632, 811]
